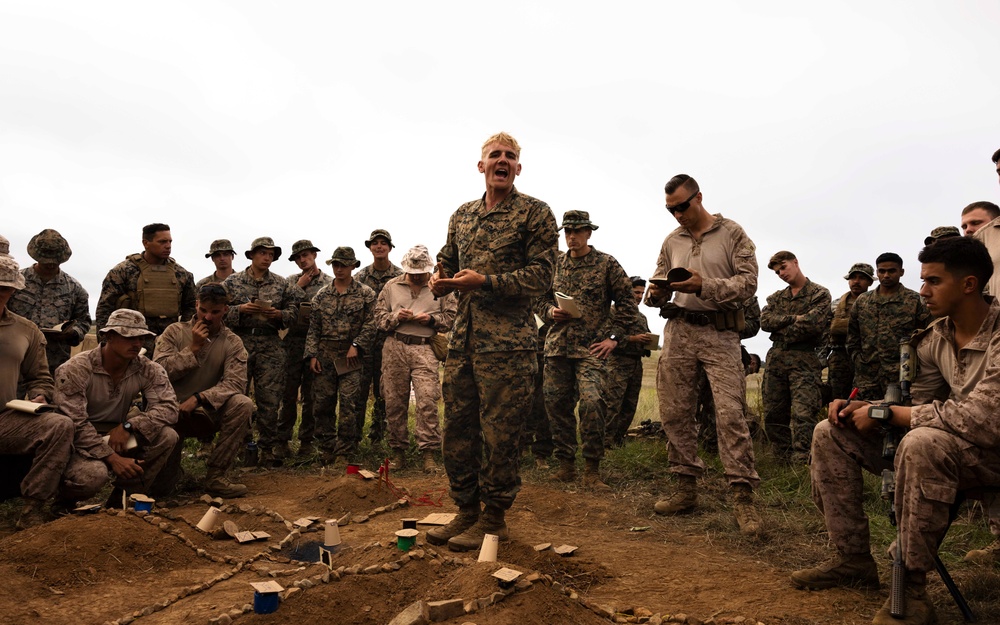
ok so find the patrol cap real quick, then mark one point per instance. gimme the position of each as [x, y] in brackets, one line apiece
[417, 260]
[48, 246]
[4, 245]
[345, 256]
[379, 233]
[128, 323]
[10, 273]
[942, 232]
[577, 219]
[220, 245]
[862, 268]
[263, 242]
[303, 245]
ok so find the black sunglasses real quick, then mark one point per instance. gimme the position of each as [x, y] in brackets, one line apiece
[683, 206]
[213, 289]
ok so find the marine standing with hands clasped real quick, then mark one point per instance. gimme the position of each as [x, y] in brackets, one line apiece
[705, 319]
[499, 254]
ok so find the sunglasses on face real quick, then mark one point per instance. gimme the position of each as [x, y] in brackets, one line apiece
[683, 206]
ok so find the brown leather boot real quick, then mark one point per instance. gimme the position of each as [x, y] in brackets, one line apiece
[917, 608]
[745, 510]
[430, 466]
[398, 459]
[491, 522]
[467, 517]
[848, 570]
[218, 485]
[592, 476]
[566, 472]
[683, 499]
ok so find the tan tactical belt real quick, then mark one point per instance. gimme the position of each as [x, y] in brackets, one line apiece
[410, 339]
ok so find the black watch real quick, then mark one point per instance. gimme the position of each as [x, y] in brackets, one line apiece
[127, 426]
[615, 338]
[881, 413]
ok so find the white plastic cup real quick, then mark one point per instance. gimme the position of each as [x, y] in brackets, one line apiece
[488, 552]
[210, 520]
[332, 534]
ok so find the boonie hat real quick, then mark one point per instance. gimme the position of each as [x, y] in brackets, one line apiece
[128, 323]
[344, 256]
[417, 260]
[379, 233]
[577, 219]
[48, 246]
[220, 245]
[4, 245]
[863, 268]
[263, 242]
[10, 273]
[942, 232]
[303, 245]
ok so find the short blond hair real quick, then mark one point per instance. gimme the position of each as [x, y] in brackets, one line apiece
[503, 139]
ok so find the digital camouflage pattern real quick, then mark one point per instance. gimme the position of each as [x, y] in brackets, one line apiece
[119, 288]
[791, 387]
[950, 446]
[624, 381]
[840, 372]
[208, 280]
[489, 374]
[877, 324]
[218, 373]
[48, 304]
[266, 358]
[537, 434]
[372, 373]
[338, 320]
[298, 374]
[594, 281]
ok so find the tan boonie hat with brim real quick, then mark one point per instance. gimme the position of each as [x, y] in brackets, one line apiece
[345, 256]
[10, 273]
[48, 246]
[942, 232]
[577, 219]
[4, 245]
[379, 233]
[263, 242]
[417, 260]
[304, 245]
[220, 245]
[128, 323]
[862, 268]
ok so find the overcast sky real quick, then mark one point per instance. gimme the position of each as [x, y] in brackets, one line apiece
[837, 131]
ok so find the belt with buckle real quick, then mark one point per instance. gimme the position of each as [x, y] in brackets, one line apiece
[411, 339]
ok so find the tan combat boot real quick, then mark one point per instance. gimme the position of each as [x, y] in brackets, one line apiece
[917, 608]
[491, 522]
[430, 466]
[745, 510]
[851, 570]
[541, 464]
[592, 476]
[32, 514]
[989, 554]
[398, 459]
[467, 517]
[218, 485]
[566, 472]
[683, 499]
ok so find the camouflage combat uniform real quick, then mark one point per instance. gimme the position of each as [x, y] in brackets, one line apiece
[297, 371]
[47, 304]
[841, 369]
[594, 280]
[877, 324]
[218, 374]
[624, 381]
[726, 259]
[208, 280]
[372, 373]
[119, 291]
[705, 411]
[951, 446]
[489, 374]
[337, 321]
[48, 436]
[791, 388]
[265, 354]
[86, 393]
[407, 357]
[989, 234]
[537, 433]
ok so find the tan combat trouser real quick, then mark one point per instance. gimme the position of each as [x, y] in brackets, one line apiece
[49, 438]
[401, 365]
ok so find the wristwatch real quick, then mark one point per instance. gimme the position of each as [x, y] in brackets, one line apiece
[127, 426]
[881, 413]
[615, 338]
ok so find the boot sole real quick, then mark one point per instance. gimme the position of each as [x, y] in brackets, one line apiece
[859, 585]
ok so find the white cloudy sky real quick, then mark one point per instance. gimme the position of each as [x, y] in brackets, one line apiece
[837, 131]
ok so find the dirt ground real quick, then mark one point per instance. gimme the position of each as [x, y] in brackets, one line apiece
[104, 567]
